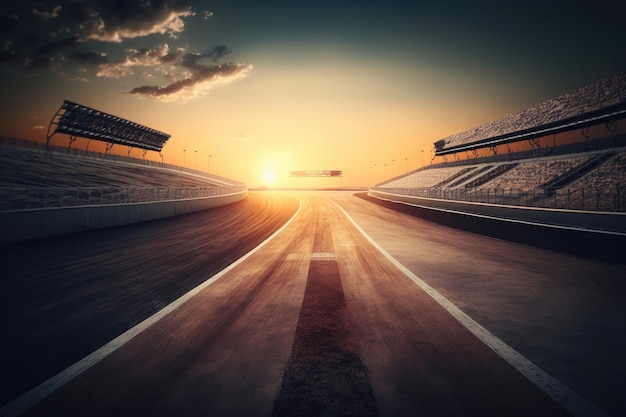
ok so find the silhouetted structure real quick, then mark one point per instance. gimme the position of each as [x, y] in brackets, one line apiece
[81, 121]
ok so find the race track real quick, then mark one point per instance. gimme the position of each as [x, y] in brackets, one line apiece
[321, 320]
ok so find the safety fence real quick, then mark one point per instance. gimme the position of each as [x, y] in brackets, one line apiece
[589, 198]
[26, 198]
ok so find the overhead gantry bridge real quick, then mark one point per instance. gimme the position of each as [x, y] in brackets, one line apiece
[77, 120]
[600, 102]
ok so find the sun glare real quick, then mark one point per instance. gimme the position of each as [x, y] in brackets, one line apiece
[269, 176]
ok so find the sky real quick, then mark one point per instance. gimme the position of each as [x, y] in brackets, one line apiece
[251, 90]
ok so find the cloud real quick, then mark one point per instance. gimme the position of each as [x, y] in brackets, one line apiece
[65, 43]
[203, 77]
[41, 63]
[83, 39]
[115, 21]
[47, 14]
[144, 57]
[7, 53]
[90, 58]
[48, 29]
[186, 74]
[191, 60]
[161, 59]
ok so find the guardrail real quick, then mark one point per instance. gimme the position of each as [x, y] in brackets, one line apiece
[588, 199]
[26, 198]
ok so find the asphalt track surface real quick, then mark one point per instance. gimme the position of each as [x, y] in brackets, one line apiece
[317, 321]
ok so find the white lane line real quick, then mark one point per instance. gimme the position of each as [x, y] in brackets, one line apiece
[566, 397]
[323, 256]
[506, 219]
[41, 391]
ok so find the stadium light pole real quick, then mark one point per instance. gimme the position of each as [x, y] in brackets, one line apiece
[407, 164]
[422, 158]
[209, 164]
[196, 152]
[393, 167]
[184, 158]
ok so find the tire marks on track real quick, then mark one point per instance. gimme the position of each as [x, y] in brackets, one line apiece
[325, 375]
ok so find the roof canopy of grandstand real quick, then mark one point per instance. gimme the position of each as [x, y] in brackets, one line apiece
[81, 121]
[601, 102]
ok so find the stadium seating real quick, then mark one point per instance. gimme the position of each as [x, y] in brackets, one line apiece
[35, 176]
[586, 174]
[24, 168]
[553, 182]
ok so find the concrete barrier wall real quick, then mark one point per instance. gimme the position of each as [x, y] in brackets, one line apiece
[598, 236]
[599, 222]
[37, 223]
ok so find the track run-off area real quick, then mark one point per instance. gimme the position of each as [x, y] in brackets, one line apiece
[307, 303]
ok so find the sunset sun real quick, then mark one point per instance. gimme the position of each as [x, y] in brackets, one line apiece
[269, 176]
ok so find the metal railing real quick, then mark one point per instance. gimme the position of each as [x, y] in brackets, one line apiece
[586, 198]
[27, 198]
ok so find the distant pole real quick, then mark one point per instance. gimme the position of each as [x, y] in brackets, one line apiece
[384, 172]
[196, 152]
[393, 167]
[209, 165]
[407, 164]
[422, 158]
[184, 158]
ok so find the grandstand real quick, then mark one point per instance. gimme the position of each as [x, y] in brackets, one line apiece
[77, 121]
[36, 176]
[588, 174]
[49, 190]
[22, 167]
[601, 102]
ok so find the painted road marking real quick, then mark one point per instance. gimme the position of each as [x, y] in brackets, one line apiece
[563, 395]
[41, 391]
[323, 256]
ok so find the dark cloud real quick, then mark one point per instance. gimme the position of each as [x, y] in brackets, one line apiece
[172, 57]
[7, 53]
[66, 43]
[219, 52]
[89, 37]
[114, 21]
[190, 61]
[90, 58]
[46, 12]
[42, 63]
[41, 30]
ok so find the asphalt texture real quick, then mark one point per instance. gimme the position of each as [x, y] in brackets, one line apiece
[316, 322]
